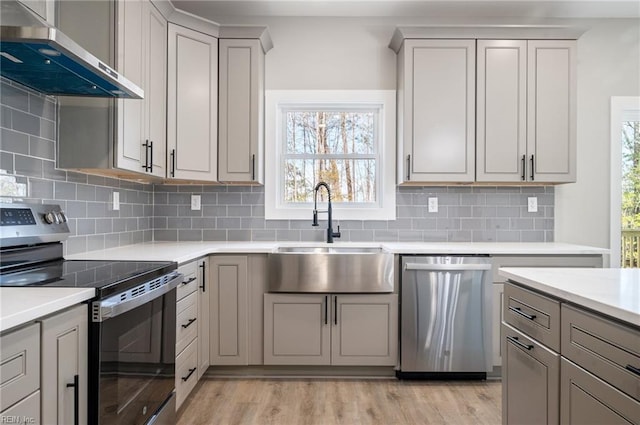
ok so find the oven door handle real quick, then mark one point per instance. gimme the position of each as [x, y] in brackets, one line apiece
[114, 306]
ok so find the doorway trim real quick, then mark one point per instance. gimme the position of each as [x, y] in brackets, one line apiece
[621, 106]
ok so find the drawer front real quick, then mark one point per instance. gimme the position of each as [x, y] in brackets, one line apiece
[19, 365]
[586, 399]
[607, 349]
[26, 411]
[531, 375]
[186, 372]
[186, 321]
[533, 314]
[189, 281]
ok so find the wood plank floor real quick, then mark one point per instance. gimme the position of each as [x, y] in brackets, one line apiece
[309, 401]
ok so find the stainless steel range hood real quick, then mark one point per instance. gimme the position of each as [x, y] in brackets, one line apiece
[39, 56]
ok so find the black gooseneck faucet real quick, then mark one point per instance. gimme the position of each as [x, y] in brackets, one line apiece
[330, 233]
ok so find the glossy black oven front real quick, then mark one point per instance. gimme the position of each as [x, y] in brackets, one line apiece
[133, 373]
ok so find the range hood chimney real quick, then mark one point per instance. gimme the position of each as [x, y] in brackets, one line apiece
[39, 56]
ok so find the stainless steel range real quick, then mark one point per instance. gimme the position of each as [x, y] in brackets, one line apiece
[131, 376]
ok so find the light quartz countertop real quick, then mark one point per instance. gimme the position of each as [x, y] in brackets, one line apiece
[613, 292]
[19, 305]
[22, 305]
[183, 252]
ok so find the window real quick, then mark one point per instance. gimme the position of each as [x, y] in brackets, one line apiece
[344, 138]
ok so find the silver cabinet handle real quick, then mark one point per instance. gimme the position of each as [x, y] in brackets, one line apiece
[446, 267]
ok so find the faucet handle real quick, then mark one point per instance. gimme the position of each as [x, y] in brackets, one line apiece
[337, 234]
[315, 218]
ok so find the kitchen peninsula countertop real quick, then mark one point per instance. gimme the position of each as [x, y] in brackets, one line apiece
[19, 305]
[612, 292]
[183, 252]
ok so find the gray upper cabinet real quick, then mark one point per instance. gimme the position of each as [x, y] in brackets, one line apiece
[241, 111]
[141, 142]
[192, 105]
[436, 111]
[43, 8]
[526, 111]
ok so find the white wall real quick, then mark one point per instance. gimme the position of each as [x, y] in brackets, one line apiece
[608, 65]
[352, 53]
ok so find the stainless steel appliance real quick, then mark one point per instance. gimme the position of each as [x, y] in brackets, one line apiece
[445, 317]
[131, 373]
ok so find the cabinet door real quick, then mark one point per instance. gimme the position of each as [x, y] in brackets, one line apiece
[203, 316]
[64, 362]
[192, 102]
[501, 110]
[156, 91]
[296, 329]
[530, 380]
[365, 330]
[131, 56]
[228, 309]
[587, 399]
[551, 110]
[439, 111]
[241, 110]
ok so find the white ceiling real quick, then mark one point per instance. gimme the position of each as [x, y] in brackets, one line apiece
[455, 9]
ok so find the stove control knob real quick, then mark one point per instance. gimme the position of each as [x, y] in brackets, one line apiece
[62, 217]
[51, 218]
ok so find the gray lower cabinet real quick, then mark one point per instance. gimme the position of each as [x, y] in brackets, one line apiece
[526, 261]
[64, 366]
[228, 310]
[203, 315]
[586, 399]
[322, 329]
[530, 392]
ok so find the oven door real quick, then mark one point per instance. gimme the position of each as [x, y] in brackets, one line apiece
[133, 374]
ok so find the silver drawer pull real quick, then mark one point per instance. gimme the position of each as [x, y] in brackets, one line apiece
[189, 323]
[633, 369]
[514, 340]
[517, 310]
[447, 267]
[191, 279]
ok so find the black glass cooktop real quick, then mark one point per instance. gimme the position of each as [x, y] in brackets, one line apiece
[108, 277]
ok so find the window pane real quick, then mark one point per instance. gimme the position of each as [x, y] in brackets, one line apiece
[328, 132]
[350, 180]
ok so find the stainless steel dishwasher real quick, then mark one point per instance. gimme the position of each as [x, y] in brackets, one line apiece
[445, 319]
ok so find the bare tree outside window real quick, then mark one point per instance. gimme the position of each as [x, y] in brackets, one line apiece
[334, 146]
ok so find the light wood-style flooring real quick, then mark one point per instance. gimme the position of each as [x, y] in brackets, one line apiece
[309, 401]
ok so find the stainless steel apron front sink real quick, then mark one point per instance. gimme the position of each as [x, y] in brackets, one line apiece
[330, 270]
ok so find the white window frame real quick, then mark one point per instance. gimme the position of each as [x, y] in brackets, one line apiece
[278, 102]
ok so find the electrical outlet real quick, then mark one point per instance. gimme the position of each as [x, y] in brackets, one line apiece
[433, 205]
[532, 204]
[116, 201]
[195, 202]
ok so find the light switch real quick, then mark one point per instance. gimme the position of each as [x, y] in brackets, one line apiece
[195, 202]
[116, 201]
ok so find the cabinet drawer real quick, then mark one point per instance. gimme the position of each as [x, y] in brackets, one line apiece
[586, 399]
[27, 411]
[531, 375]
[19, 364]
[189, 281]
[533, 314]
[186, 326]
[607, 349]
[186, 372]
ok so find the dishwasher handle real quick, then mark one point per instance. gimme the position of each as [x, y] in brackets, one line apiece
[446, 267]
